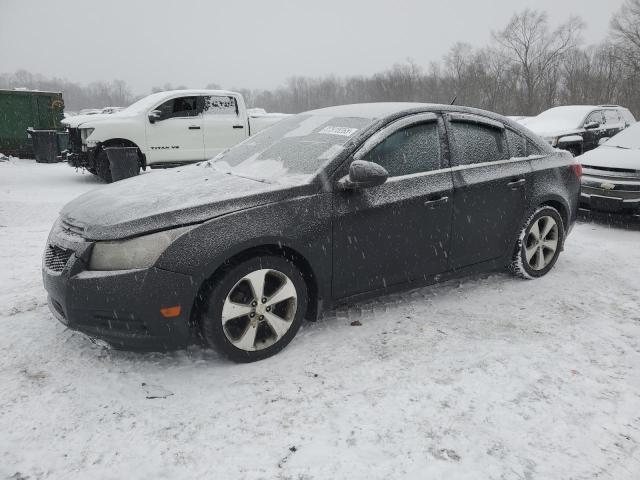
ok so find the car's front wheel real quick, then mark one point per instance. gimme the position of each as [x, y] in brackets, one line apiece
[539, 243]
[255, 308]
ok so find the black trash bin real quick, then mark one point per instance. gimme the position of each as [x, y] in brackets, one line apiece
[123, 162]
[45, 145]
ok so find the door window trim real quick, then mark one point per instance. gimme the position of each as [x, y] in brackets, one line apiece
[471, 118]
[381, 135]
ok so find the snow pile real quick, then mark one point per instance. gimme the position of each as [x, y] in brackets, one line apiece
[482, 378]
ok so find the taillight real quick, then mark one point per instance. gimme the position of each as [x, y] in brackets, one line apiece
[577, 169]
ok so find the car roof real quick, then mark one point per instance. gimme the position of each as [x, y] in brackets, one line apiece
[380, 110]
[189, 92]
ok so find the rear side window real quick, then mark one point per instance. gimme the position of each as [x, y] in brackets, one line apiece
[612, 118]
[517, 144]
[413, 149]
[477, 143]
[220, 105]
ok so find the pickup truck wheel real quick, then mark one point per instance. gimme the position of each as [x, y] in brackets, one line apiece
[102, 167]
[255, 308]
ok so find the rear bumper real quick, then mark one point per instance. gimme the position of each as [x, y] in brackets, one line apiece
[122, 308]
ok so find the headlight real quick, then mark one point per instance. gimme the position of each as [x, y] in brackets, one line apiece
[553, 141]
[86, 132]
[140, 252]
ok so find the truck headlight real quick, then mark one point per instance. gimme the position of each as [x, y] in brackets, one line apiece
[136, 253]
[553, 141]
[86, 132]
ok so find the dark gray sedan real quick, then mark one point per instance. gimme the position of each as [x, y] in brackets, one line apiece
[326, 206]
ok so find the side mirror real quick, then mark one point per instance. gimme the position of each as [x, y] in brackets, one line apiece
[591, 125]
[154, 116]
[363, 175]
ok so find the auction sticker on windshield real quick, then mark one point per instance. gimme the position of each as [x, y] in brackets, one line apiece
[343, 131]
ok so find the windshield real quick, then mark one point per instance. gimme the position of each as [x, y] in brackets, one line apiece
[145, 103]
[559, 119]
[292, 150]
[628, 138]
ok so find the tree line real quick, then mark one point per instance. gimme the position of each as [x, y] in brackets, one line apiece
[526, 68]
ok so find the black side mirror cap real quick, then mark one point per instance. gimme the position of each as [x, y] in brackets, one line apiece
[591, 125]
[154, 116]
[363, 174]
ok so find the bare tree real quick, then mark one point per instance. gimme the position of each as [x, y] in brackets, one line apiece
[625, 30]
[529, 44]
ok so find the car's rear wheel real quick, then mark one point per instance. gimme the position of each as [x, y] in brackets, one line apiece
[255, 308]
[539, 243]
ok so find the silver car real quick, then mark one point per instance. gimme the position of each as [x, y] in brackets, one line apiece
[611, 174]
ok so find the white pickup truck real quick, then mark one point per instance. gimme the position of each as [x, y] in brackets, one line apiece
[168, 128]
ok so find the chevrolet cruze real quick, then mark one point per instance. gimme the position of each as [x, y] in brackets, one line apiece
[327, 206]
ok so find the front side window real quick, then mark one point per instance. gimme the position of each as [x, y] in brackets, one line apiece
[220, 105]
[413, 149]
[178, 107]
[594, 117]
[477, 143]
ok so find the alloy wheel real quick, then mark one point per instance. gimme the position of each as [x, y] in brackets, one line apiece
[541, 243]
[259, 309]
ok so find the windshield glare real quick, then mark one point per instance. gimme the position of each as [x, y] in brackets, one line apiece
[292, 150]
[145, 103]
[628, 138]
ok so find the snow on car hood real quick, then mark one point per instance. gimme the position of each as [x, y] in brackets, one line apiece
[166, 199]
[78, 120]
[613, 157]
[545, 128]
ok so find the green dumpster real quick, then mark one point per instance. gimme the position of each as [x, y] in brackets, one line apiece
[24, 109]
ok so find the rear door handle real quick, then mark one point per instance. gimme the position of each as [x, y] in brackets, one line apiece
[514, 184]
[194, 127]
[436, 202]
[238, 126]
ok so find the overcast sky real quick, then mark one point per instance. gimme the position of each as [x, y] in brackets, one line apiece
[252, 43]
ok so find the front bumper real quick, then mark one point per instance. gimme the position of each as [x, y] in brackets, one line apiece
[121, 308]
[610, 194]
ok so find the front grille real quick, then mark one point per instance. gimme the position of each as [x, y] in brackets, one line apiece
[56, 258]
[612, 171]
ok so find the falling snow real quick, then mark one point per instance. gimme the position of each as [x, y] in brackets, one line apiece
[485, 377]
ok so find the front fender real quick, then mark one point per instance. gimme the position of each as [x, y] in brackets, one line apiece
[302, 224]
[128, 130]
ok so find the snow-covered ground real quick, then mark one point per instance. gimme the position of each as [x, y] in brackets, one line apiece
[489, 377]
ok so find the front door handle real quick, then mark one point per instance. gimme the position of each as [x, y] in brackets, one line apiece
[436, 202]
[515, 184]
[238, 126]
[194, 127]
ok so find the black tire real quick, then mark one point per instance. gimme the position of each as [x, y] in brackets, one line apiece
[524, 267]
[102, 167]
[217, 335]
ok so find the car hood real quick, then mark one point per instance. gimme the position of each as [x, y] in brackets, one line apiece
[613, 157]
[78, 120]
[166, 199]
[546, 128]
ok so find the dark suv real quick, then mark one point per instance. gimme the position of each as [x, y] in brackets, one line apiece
[323, 207]
[580, 128]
